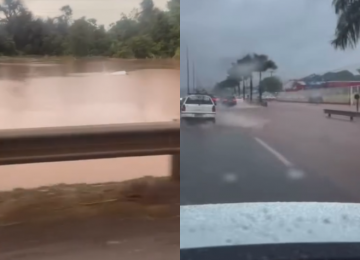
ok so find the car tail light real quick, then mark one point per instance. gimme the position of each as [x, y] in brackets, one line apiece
[183, 108]
[214, 108]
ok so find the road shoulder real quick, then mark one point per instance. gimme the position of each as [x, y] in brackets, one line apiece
[131, 220]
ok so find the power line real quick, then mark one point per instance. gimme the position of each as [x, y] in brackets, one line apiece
[194, 77]
[188, 69]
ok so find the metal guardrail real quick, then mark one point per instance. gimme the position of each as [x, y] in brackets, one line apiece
[36, 145]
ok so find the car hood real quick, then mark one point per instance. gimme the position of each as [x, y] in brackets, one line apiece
[268, 223]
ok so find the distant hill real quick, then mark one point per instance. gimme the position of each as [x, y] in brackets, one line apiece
[343, 75]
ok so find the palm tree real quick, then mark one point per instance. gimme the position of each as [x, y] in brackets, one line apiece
[235, 74]
[244, 80]
[246, 67]
[243, 70]
[263, 63]
[228, 83]
[347, 31]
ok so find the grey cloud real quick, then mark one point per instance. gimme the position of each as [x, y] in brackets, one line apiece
[294, 33]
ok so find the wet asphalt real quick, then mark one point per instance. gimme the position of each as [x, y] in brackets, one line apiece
[227, 164]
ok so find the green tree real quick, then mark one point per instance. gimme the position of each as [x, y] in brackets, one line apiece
[174, 15]
[147, 12]
[271, 84]
[348, 24]
[147, 33]
[81, 37]
[7, 45]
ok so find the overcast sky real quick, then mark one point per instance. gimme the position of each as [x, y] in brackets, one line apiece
[105, 11]
[294, 33]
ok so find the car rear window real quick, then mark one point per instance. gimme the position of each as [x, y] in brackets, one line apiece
[199, 100]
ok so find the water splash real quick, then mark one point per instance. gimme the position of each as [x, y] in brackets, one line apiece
[295, 174]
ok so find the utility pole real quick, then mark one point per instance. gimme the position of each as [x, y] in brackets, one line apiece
[187, 70]
[194, 78]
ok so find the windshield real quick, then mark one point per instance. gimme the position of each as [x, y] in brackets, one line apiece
[292, 134]
[199, 100]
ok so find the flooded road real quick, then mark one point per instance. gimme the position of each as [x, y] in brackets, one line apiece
[73, 92]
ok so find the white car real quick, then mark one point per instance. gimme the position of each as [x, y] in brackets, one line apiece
[268, 96]
[198, 107]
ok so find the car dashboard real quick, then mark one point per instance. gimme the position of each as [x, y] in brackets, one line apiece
[308, 251]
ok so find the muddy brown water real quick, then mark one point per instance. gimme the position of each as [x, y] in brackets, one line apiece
[43, 93]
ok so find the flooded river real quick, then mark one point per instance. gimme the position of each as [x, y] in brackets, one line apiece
[35, 93]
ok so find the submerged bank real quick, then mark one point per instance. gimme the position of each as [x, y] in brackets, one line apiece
[137, 219]
[147, 197]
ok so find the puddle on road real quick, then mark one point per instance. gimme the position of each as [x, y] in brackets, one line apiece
[295, 174]
[239, 120]
[239, 116]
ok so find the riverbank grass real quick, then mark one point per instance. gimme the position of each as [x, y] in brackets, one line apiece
[148, 197]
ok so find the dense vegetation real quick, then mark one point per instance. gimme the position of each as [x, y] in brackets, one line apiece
[243, 71]
[148, 32]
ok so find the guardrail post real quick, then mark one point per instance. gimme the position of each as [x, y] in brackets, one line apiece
[175, 167]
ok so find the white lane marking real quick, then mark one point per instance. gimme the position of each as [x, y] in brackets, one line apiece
[278, 155]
